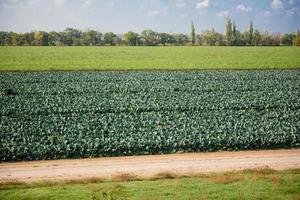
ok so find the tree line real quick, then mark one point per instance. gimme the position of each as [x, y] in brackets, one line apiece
[76, 37]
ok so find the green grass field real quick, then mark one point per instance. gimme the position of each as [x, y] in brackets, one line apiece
[147, 58]
[249, 184]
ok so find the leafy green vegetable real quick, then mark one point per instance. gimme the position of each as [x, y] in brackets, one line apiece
[90, 114]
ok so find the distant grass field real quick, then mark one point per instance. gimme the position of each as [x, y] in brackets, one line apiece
[147, 58]
[247, 184]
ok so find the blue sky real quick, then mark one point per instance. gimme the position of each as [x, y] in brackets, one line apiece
[120, 16]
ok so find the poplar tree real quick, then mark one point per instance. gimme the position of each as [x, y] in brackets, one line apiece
[251, 33]
[193, 33]
[234, 34]
[229, 31]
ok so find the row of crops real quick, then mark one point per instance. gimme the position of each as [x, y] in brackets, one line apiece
[90, 114]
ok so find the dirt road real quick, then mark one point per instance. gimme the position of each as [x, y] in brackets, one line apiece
[145, 166]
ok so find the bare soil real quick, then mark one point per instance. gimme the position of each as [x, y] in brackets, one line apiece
[147, 166]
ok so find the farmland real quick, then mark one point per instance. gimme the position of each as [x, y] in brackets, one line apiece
[54, 115]
[147, 58]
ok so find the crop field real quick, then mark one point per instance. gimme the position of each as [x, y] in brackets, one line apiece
[147, 58]
[54, 115]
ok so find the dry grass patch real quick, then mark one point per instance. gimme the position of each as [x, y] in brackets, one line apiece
[166, 175]
[125, 177]
[263, 170]
[265, 173]
[226, 179]
[85, 180]
[276, 179]
[12, 184]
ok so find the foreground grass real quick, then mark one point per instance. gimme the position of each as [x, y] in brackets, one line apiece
[147, 58]
[247, 184]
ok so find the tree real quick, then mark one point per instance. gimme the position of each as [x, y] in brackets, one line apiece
[251, 33]
[210, 37]
[240, 40]
[193, 33]
[109, 38]
[54, 39]
[92, 38]
[8, 39]
[220, 39]
[76, 37]
[2, 38]
[38, 38]
[256, 37]
[276, 38]
[180, 39]
[131, 38]
[89, 38]
[150, 38]
[72, 37]
[45, 36]
[266, 39]
[234, 34]
[246, 38]
[98, 38]
[166, 39]
[297, 41]
[199, 40]
[229, 31]
[118, 40]
[15, 39]
[29, 39]
[287, 39]
[95, 37]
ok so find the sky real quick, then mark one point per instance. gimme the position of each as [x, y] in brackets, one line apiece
[170, 16]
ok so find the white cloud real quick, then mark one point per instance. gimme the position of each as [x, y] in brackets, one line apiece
[12, 1]
[277, 5]
[158, 12]
[165, 9]
[154, 13]
[243, 8]
[17, 3]
[111, 3]
[59, 2]
[203, 4]
[180, 4]
[9, 2]
[33, 2]
[142, 7]
[266, 13]
[289, 13]
[293, 11]
[87, 3]
[224, 13]
[182, 16]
